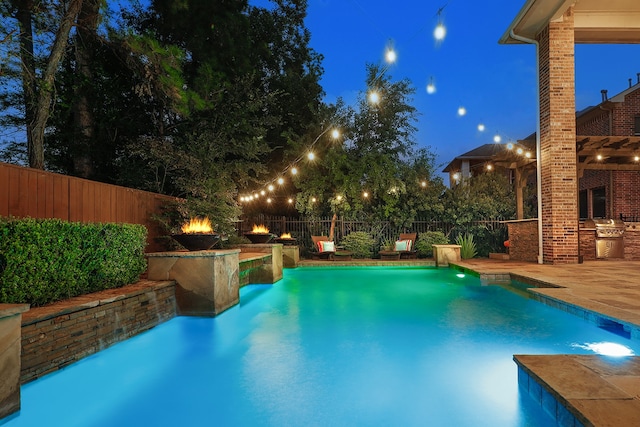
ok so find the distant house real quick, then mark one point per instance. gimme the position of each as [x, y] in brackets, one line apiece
[608, 150]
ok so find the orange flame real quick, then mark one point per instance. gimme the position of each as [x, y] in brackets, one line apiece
[286, 236]
[261, 229]
[197, 225]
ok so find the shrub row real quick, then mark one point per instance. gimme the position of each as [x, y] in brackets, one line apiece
[46, 260]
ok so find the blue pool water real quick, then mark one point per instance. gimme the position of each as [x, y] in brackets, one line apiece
[324, 347]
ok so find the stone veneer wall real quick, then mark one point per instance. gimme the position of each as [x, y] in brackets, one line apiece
[59, 334]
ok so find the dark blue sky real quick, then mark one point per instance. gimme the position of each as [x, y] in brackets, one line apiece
[495, 83]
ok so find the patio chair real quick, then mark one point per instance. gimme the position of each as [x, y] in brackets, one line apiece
[324, 248]
[405, 245]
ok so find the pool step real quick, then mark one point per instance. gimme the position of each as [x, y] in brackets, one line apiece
[583, 390]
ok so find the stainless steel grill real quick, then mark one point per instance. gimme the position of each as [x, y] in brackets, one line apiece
[609, 237]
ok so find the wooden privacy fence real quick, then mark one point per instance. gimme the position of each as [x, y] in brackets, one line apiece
[26, 192]
[303, 228]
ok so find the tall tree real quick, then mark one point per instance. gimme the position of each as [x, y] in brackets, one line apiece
[38, 85]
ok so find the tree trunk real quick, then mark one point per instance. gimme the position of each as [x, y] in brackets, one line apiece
[46, 88]
[332, 229]
[83, 117]
[28, 67]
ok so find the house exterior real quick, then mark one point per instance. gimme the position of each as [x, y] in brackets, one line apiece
[607, 167]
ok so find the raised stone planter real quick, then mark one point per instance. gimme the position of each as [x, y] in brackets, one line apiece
[444, 254]
[10, 344]
[207, 282]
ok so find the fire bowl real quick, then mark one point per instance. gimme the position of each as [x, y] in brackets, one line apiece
[287, 241]
[258, 237]
[196, 242]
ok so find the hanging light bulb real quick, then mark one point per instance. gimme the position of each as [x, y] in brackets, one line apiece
[423, 184]
[497, 138]
[431, 87]
[294, 170]
[269, 200]
[462, 111]
[311, 156]
[391, 56]
[313, 200]
[440, 32]
[270, 187]
[290, 200]
[374, 97]
[280, 180]
[365, 194]
[481, 127]
[262, 193]
[335, 134]
[510, 146]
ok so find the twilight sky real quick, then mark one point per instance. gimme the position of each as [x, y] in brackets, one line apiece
[496, 84]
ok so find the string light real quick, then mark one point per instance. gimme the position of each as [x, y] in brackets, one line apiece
[497, 139]
[481, 127]
[440, 32]
[391, 56]
[290, 200]
[431, 87]
[335, 134]
[313, 200]
[365, 194]
[423, 184]
[374, 97]
[294, 170]
[311, 156]
[270, 187]
[462, 111]
[636, 158]
[280, 181]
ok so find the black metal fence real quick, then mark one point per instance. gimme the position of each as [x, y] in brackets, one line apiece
[303, 228]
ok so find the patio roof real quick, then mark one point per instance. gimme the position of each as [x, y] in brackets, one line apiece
[595, 21]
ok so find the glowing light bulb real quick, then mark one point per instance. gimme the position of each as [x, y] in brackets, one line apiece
[440, 32]
[636, 158]
[313, 200]
[365, 194]
[391, 56]
[256, 196]
[481, 127]
[519, 151]
[262, 193]
[335, 134]
[462, 111]
[280, 180]
[290, 200]
[456, 176]
[431, 88]
[311, 156]
[338, 197]
[510, 146]
[497, 138]
[242, 199]
[270, 187]
[527, 154]
[489, 167]
[294, 171]
[423, 184]
[269, 200]
[374, 97]
[599, 157]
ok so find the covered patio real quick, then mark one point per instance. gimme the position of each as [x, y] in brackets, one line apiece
[554, 27]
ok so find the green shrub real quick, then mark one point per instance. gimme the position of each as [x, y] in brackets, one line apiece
[46, 260]
[426, 240]
[360, 243]
[467, 246]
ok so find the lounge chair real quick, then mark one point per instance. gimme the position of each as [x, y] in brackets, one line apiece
[406, 245]
[324, 248]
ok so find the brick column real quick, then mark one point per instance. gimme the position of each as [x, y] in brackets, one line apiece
[558, 142]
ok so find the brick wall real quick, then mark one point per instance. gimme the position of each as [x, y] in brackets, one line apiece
[624, 114]
[598, 125]
[626, 193]
[59, 334]
[557, 141]
[523, 240]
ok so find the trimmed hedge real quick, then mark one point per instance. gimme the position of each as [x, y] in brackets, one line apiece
[46, 260]
[360, 243]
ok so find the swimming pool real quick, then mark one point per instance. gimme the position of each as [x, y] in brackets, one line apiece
[324, 346]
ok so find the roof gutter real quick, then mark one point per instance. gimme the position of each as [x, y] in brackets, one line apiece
[514, 36]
